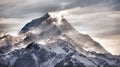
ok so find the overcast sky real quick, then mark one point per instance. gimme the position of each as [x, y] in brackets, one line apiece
[98, 18]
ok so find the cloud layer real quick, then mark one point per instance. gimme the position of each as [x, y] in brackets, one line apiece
[23, 8]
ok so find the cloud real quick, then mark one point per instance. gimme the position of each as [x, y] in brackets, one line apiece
[11, 25]
[3, 27]
[23, 8]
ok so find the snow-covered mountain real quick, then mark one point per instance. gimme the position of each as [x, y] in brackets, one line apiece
[52, 26]
[50, 41]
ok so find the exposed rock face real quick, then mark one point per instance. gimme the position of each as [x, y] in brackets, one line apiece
[25, 61]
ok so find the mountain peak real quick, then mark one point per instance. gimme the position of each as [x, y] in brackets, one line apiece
[48, 17]
[53, 26]
[34, 23]
[58, 16]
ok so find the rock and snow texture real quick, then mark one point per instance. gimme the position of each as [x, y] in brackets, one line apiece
[50, 41]
[37, 55]
[53, 26]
